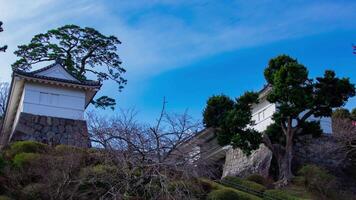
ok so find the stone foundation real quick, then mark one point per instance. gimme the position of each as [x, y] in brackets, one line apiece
[51, 130]
[238, 164]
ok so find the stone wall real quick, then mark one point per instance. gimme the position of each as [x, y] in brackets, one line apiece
[51, 130]
[238, 164]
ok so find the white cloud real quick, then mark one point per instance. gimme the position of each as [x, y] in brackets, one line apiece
[162, 35]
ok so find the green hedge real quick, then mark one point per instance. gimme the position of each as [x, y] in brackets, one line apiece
[245, 183]
[27, 147]
[280, 194]
[230, 194]
[23, 159]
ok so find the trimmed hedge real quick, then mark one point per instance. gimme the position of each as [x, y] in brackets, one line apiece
[245, 183]
[280, 194]
[230, 194]
[223, 194]
[23, 159]
[27, 147]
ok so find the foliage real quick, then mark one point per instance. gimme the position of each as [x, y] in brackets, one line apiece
[3, 48]
[2, 197]
[216, 109]
[2, 163]
[233, 119]
[280, 194]
[341, 113]
[297, 97]
[257, 179]
[85, 52]
[245, 183]
[318, 180]
[224, 194]
[353, 113]
[27, 147]
[67, 172]
[275, 133]
[22, 160]
[34, 191]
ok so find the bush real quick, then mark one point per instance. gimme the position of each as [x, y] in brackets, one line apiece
[223, 194]
[2, 197]
[209, 185]
[27, 147]
[280, 194]
[23, 159]
[230, 194]
[257, 179]
[33, 191]
[67, 149]
[245, 183]
[2, 163]
[319, 181]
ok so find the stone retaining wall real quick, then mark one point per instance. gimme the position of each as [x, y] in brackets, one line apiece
[51, 130]
[238, 164]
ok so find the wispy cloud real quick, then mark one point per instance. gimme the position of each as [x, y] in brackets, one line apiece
[162, 35]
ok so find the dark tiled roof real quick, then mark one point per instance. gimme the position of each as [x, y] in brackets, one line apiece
[34, 74]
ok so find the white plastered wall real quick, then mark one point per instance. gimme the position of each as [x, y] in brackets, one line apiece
[54, 101]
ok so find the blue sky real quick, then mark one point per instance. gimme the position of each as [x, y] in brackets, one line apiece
[187, 51]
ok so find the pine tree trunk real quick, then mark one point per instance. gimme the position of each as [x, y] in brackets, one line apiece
[285, 168]
[284, 160]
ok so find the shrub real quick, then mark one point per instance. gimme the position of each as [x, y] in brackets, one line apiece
[257, 179]
[299, 181]
[2, 197]
[23, 159]
[319, 181]
[280, 194]
[230, 194]
[223, 194]
[244, 183]
[67, 149]
[27, 147]
[2, 163]
[33, 191]
[209, 185]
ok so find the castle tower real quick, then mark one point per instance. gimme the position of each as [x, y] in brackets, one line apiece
[47, 105]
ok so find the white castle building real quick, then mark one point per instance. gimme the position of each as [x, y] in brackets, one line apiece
[47, 105]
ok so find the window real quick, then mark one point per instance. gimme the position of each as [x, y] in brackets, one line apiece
[49, 99]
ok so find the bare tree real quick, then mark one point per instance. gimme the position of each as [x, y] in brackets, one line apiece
[151, 156]
[4, 93]
[344, 129]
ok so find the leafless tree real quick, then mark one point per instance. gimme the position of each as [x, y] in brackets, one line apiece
[4, 93]
[344, 129]
[151, 156]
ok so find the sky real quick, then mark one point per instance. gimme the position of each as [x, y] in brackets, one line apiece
[187, 51]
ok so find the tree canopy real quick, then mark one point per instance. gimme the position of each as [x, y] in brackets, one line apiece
[85, 53]
[2, 48]
[296, 96]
